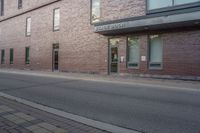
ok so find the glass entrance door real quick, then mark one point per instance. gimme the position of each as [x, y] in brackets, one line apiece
[113, 55]
[114, 59]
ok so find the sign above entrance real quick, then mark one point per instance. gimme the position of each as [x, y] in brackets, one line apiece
[111, 27]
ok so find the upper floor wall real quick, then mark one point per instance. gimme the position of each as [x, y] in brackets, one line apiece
[126, 16]
[108, 10]
[10, 7]
[119, 9]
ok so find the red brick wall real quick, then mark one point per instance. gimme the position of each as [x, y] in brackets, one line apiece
[181, 54]
[118, 9]
[82, 50]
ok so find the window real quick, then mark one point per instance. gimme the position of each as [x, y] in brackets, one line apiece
[19, 4]
[95, 11]
[11, 55]
[27, 58]
[155, 4]
[2, 7]
[56, 19]
[179, 2]
[28, 26]
[155, 51]
[133, 52]
[2, 56]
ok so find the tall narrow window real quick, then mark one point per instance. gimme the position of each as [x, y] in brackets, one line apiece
[2, 56]
[133, 52]
[156, 51]
[28, 26]
[27, 58]
[95, 11]
[19, 4]
[11, 56]
[2, 7]
[56, 19]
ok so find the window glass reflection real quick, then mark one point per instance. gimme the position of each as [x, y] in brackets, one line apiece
[95, 10]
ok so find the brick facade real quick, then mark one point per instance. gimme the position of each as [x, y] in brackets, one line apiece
[82, 50]
[113, 10]
[181, 54]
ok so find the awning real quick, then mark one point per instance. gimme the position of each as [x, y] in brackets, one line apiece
[144, 23]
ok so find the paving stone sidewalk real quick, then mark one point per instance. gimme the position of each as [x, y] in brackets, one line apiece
[19, 118]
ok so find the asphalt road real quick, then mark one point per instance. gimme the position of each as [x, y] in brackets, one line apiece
[147, 109]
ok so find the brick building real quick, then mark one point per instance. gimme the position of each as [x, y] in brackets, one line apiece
[102, 36]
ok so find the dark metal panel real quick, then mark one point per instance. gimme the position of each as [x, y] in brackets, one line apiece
[154, 23]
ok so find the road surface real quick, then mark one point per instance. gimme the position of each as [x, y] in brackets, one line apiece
[147, 109]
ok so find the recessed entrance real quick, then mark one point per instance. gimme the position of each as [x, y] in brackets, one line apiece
[55, 59]
[113, 55]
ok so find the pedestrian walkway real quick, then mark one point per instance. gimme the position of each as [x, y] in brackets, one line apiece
[124, 79]
[19, 118]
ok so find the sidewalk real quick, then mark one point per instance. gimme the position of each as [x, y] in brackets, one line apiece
[154, 82]
[19, 118]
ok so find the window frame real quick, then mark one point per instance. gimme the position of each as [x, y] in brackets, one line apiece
[138, 63]
[91, 20]
[3, 56]
[27, 58]
[12, 59]
[149, 54]
[171, 8]
[2, 8]
[26, 32]
[54, 19]
[20, 4]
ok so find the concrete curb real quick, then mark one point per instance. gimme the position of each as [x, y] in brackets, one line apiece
[89, 122]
